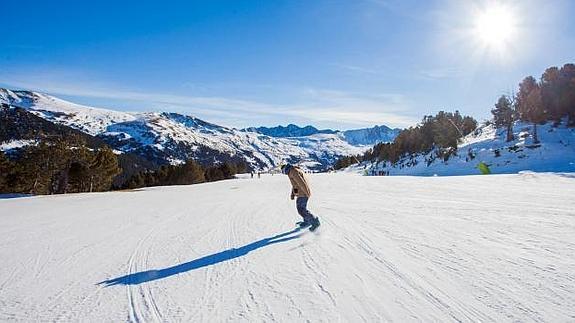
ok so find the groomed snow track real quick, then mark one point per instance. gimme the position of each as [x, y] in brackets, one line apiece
[456, 249]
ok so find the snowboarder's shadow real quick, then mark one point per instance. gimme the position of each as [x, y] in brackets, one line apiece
[150, 275]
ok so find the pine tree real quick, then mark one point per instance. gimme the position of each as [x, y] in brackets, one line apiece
[79, 177]
[213, 174]
[446, 131]
[567, 92]
[136, 181]
[62, 151]
[5, 170]
[241, 167]
[193, 173]
[535, 112]
[79, 170]
[39, 167]
[103, 169]
[525, 88]
[504, 115]
[550, 92]
[228, 170]
[530, 104]
[469, 125]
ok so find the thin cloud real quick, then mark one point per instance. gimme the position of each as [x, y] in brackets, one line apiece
[357, 108]
[440, 73]
[360, 118]
[358, 69]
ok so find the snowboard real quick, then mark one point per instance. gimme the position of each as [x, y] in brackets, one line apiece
[312, 226]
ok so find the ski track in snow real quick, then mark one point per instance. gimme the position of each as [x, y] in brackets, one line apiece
[495, 248]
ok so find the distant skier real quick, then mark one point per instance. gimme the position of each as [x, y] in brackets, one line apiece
[301, 190]
[259, 175]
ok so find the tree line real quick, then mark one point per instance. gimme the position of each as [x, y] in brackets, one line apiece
[59, 165]
[56, 166]
[440, 132]
[187, 173]
[552, 98]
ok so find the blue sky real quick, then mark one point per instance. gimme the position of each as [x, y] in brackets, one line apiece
[330, 63]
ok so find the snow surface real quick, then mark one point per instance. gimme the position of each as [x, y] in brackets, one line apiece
[13, 144]
[403, 249]
[554, 153]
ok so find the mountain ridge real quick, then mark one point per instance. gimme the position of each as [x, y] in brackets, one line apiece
[361, 136]
[172, 138]
[291, 130]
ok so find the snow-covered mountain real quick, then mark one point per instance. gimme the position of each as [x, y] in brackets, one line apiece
[173, 138]
[291, 130]
[370, 136]
[554, 153]
[87, 119]
[356, 137]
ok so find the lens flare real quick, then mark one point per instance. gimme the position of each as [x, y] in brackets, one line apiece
[495, 27]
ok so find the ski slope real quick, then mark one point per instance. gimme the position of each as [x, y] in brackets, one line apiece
[402, 249]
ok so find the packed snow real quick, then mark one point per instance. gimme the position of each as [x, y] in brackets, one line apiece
[403, 249]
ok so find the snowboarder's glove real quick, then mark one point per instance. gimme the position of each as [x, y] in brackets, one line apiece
[292, 196]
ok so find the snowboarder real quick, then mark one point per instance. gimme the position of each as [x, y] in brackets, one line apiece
[301, 190]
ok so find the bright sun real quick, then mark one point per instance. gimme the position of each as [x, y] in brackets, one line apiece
[495, 27]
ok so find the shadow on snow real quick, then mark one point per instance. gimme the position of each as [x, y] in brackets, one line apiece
[150, 275]
[13, 196]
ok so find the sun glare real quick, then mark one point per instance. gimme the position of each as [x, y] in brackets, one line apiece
[495, 27]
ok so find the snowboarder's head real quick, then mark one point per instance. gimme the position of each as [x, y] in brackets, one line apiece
[286, 168]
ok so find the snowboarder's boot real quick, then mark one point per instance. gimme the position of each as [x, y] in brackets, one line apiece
[314, 224]
[304, 224]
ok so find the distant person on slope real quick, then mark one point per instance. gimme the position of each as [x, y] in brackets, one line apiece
[301, 190]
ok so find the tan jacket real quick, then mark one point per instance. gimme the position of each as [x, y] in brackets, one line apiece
[300, 186]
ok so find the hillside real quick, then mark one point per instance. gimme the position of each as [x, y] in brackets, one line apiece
[90, 120]
[171, 138]
[19, 124]
[402, 249]
[20, 128]
[554, 153]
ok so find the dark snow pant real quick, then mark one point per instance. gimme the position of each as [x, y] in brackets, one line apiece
[301, 205]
